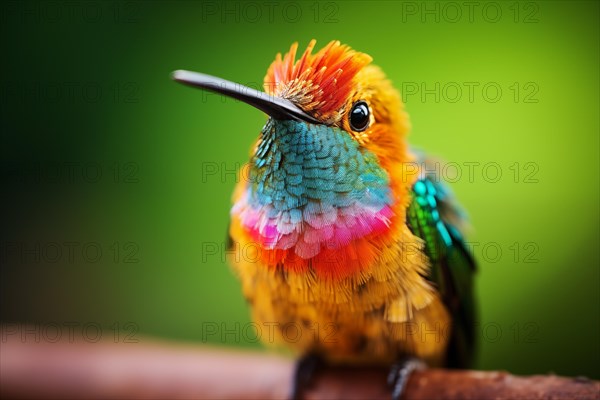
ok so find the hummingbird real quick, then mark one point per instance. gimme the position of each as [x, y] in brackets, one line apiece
[347, 236]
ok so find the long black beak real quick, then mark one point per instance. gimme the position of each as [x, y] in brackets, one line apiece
[276, 107]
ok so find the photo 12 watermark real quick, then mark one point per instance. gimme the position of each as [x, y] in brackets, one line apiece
[268, 332]
[490, 252]
[69, 252]
[71, 172]
[332, 333]
[70, 92]
[72, 11]
[452, 12]
[70, 332]
[477, 171]
[470, 92]
[270, 12]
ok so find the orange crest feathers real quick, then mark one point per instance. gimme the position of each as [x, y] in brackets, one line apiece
[318, 83]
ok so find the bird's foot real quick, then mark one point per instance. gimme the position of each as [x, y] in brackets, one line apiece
[303, 374]
[400, 373]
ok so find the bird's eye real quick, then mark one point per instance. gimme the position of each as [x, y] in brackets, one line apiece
[359, 116]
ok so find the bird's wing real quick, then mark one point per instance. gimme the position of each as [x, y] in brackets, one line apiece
[433, 216]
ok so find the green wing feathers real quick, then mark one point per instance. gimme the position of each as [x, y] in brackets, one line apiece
[434, 216]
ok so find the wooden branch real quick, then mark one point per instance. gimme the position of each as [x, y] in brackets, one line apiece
[154, 369]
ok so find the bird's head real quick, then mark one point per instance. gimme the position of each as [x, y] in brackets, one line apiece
[325, 174]
[339, 88]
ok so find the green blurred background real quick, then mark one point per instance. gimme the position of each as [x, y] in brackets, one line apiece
[101, 151]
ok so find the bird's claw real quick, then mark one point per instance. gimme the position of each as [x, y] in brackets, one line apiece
[399, 374]
[303, 373]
